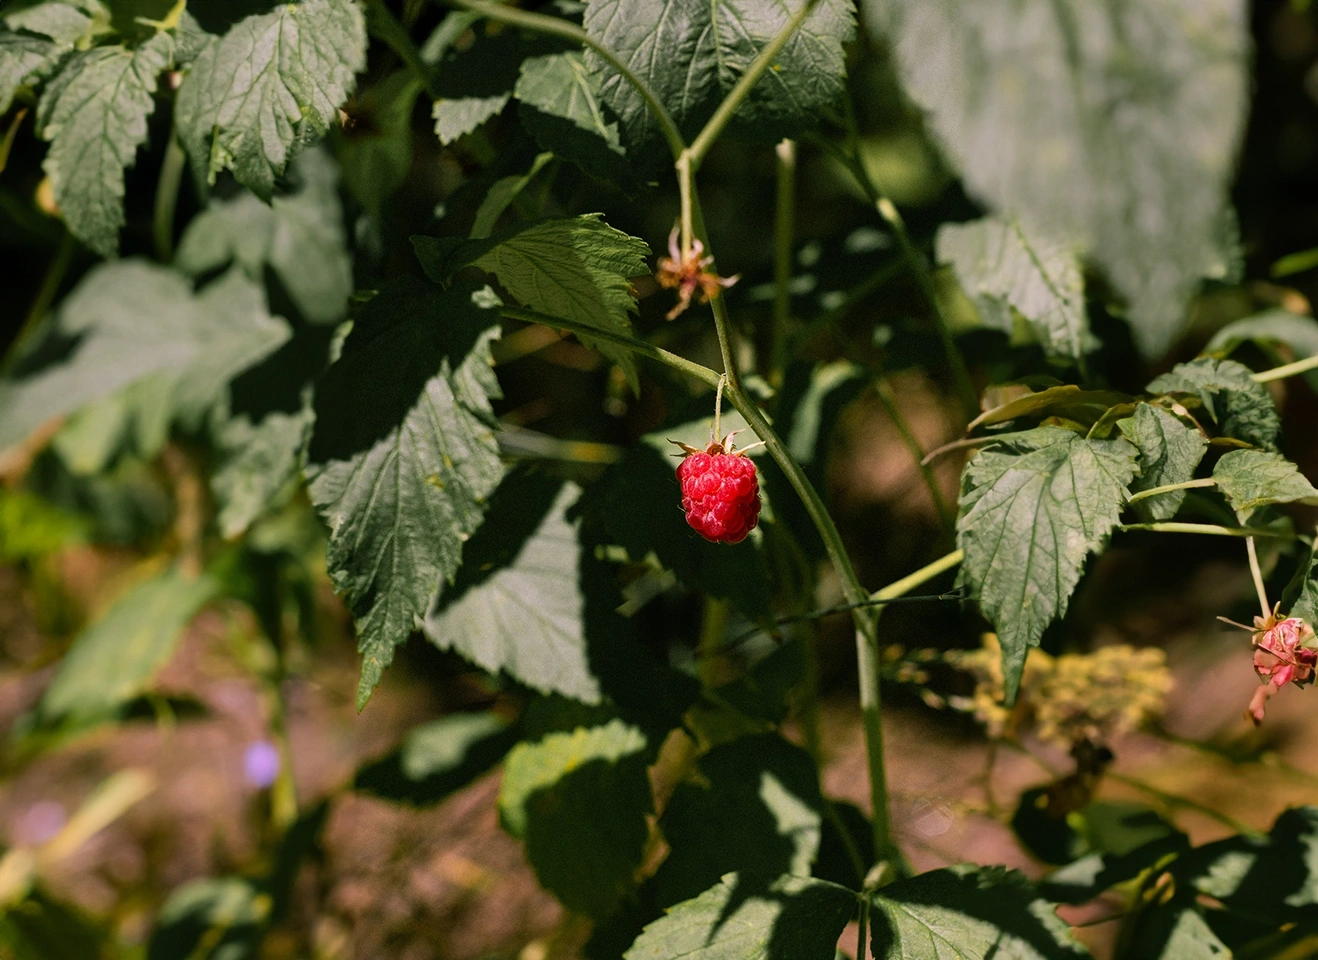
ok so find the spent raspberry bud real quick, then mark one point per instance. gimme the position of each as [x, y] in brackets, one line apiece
[720, 493]
[1282, 655]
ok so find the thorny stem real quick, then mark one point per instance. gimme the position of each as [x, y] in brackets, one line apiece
[1170, 487]
[1257, 574]
[557, 27]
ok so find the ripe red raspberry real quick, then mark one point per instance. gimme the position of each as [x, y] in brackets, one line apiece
[720, 493]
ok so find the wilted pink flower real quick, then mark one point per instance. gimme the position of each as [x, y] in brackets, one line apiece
[688, 274]
[1281, 656]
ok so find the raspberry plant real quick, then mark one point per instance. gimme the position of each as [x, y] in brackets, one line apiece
[256, 280]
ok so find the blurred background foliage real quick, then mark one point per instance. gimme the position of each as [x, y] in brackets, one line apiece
[210, 793]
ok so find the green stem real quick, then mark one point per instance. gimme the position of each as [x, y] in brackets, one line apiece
[50, 285]
[914, 258]
[570, 31]
[741, 90]
[900, 588]
[1288, 370]
[1257, 573]
[1176, 800]
[784, 228]
[701, 372]
[862, 928]
[1168, 488]
[386, 26]
[889, 401]
[1208, 528]
[167, 188]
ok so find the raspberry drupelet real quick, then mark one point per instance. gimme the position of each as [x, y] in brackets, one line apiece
[720, 493]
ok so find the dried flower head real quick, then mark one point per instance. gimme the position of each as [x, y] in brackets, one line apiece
[688, 274]
[1074, 698]
[1282, 655]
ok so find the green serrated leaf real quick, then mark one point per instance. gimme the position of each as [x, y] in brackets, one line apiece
[24, 62]
[692, 55]
[746, 918]
[1107, 96]
[403, 456]
[1268, 329]
[475, 80]
[259, 466]
[299, 235]
[576, 268]
[559, 104]
[1033, 507]
[457, 117]
[94, 115]
[571, 792]
[375, 148]
[271, 85]
[132, 320]
[526, 617]
[1169, 453]
[1255, 478]
[115, 658]
[1004, 269]
[437, 758]
[1178, 931]
[968, 913]
[67, 22]
[755, 809]
[1241, 408]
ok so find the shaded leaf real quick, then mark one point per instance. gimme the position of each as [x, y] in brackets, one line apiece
[1177, 931]
[130, 320]
[581, 791]
[1086, 878]
[65, 21]
[24, 62]
[559, 103]
[1115, 125]
[1033, 507]
[1255, 478]
[692, 55]
[502, 193]
[1003, 269]
[115, 658]
[457, 117]
[1067, 400]
[402, 480]
[576, 268]
[1241, 408]
[968, 913]
[299, 235]
[217, 918]
[437, 758]
[94, 115]
[755, 809]
[259, 468]
[518, 605]
[475, 80]
[271, 85]
[742, 918]
[1169, 453]
[31, 527]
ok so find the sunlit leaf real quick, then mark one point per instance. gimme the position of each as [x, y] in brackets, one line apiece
[1240, 407]
[271, 85]
[1269, 330]
[1112, 125]
[1169, 452]
[24, 62]
[115, 658]
[1004, 269]
[401, 478]
[581, 791]
[1033, 507]
[745, 918]
[94, 114]
[692, 55]
[1255, 478]
[968, 913]
[299, 235]
[437, 758]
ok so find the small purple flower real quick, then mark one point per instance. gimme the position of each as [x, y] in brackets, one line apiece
[261, 764]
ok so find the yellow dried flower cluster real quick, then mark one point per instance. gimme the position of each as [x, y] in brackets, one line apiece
[1075, 697]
